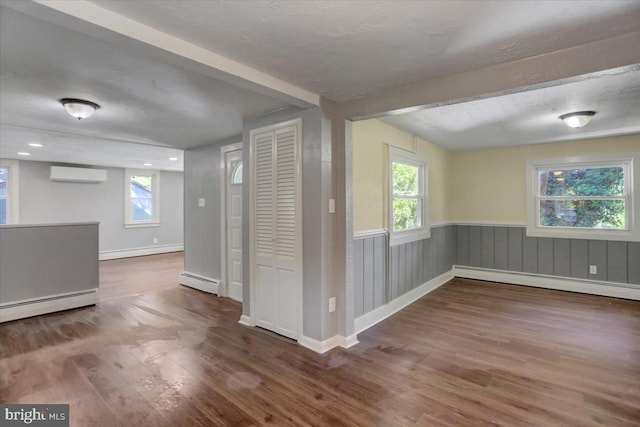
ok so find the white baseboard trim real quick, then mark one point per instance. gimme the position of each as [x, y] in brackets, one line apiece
[50, 304]
[148, 250]
[246, 321]
[328, 344]
[369, 319]
[584, 286]
[202, 283]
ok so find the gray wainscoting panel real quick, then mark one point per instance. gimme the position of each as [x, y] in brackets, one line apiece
[598, 256]
[501, 244]
[516, 248]
[616, 258]
[512, 250]
[579, 258]
[358, 276]
[475, 246]
[462, 245]
[409, 266]
[633, 256]
[488, 247]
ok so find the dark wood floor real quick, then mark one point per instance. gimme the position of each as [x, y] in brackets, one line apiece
[468, 354]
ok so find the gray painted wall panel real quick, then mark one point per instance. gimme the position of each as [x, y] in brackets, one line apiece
[420, 262]
[562, 257]
[380, 271]
[545, 256]
[37, 262]
[395, 272]
[515, 248]
[501, 244]
[617, 270]
[358, 276]
[598, 257]
[616, 261]
[488, 248]
[530, 260]
[579, 258]
[462, 245]
[633, 258]
[475, 246]
[426, 260]
[368, 274]
[402, 269]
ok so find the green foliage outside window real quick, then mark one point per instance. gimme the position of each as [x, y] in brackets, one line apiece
[406, 205]
[558, 187]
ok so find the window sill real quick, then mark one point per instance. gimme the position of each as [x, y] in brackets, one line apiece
[399, 238]
[141, 224]
[586, 234]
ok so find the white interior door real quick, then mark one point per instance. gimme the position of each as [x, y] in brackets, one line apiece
[233, 204]
[276, 239]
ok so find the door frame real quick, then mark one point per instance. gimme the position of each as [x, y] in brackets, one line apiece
[251, 212]
[224, 292]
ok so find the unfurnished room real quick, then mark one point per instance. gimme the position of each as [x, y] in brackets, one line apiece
[319, 213]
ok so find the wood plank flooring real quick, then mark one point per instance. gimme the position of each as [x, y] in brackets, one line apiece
[468, 354]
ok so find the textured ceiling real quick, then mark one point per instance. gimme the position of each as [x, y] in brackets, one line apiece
[345, 49]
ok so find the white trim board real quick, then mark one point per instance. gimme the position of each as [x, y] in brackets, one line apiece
[328, 344]
[370, 233]
[201, 283]
[133, 252]
[48, 304]
[584, 286]
[369, 319]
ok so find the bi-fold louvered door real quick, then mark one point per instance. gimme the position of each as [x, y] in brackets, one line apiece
[276, 240]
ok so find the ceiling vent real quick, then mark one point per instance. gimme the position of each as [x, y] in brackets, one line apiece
[87, 175]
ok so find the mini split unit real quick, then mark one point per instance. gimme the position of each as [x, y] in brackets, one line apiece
[68, 174]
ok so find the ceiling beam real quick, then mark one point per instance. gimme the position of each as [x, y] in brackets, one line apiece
[184, 53]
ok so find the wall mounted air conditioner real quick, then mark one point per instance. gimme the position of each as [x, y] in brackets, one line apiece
[68, 174]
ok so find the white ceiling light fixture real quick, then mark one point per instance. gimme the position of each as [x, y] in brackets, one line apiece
[23, 153]
[79, 108]
[148, 164]
[578, 119]
[173, 159]
[35, 144]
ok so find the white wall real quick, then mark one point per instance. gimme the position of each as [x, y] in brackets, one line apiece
[45, 201]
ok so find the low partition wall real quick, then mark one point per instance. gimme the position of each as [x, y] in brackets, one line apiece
[46, 268]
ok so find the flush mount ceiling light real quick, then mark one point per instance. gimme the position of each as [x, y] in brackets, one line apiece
[79, 108]
[578, 119]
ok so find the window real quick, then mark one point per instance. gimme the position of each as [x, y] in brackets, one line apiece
[585, 197]
[408, 208]
[142, 194]
[8, 191]
[236, 175]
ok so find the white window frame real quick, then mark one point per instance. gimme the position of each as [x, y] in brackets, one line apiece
[398, 155]
[155, 197]
[629, 161]
[12, 189]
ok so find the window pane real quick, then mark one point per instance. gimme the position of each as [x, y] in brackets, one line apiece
[4, 176]
[237, 174]
[405, 179]
[3, 210]
[141, 209]
[605, 214]
[141, 186]
[406, 214]
[607, 181]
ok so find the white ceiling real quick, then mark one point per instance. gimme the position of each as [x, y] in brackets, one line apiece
[339, 49]
[531, 117]
[345, 49]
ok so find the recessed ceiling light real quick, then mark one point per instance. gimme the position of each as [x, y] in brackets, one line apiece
[23, 153]
[173, 159]
[148, 164]
[35, 144]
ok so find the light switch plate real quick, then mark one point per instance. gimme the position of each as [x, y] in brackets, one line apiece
[201, 203]
[332, 205]
[593, 269]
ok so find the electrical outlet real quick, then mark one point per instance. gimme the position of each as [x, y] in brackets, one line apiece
[201, 203]
[332, 205]
[332, 305]
[593, 269]
[155, 240]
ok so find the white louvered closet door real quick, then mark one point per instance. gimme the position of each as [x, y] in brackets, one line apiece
[275, 226]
